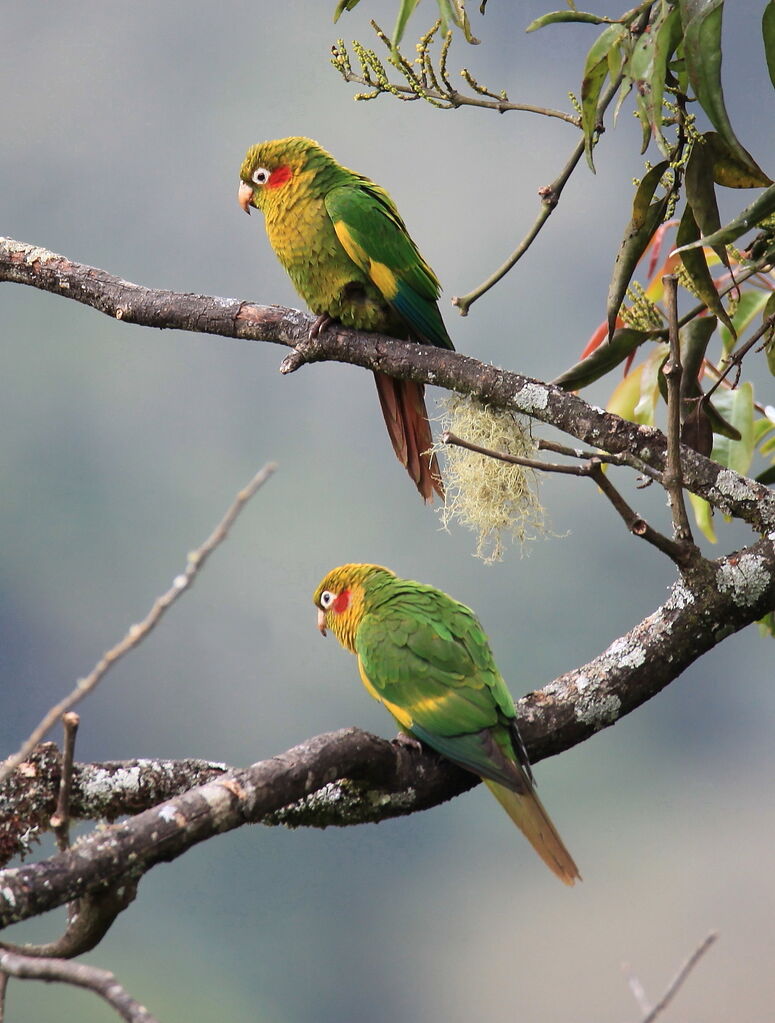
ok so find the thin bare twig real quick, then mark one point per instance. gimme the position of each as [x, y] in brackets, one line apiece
[621, 458]
[101, 982]
[60, 820]
[550, 197]
[736, 358]
[137, 632]
[673, 476]
[530, 463]
[675, 985]
[679, 553]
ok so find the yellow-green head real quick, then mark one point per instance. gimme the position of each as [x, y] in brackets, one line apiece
[342, 599]
[273, 172]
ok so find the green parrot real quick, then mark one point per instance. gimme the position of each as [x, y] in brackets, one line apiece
[350, 257]
[426, 658]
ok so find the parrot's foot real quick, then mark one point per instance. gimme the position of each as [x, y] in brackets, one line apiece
[303, 352]
[320, 324]
[408, 742]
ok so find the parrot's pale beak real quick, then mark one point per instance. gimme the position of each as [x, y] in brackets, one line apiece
[322, 622]
[244, 195]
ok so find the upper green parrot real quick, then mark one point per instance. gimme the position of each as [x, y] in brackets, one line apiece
[427, 659]
[351, 259]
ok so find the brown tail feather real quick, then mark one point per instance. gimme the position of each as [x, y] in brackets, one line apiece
[528, 813]
[403, 406]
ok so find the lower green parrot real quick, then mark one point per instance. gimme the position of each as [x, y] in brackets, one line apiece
[426, 658]
[350, 257]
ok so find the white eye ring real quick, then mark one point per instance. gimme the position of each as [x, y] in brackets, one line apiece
[326, 599]
[260, 176]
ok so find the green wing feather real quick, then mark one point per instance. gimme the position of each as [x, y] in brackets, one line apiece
[428, 656]
[374, 236]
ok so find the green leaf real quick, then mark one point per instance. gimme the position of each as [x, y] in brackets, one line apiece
[737, 407]
[405, 11]
[695, 264]
[647, 68]
[701, 21]
[768, 33]
[696, 431]
[342, 6]
[703, 516]
[756, 211]
[762, 428]
[727, 168]
[694, 338]
[750, 305]
[554, 17]
[595, 73]
[769, 310]
[604, 358]
[646, 218]
[649, 385]
[667, 38]
[767, 477]
[701, 195]
[767, 624]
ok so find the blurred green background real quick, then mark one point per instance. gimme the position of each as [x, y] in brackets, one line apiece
[123, 128]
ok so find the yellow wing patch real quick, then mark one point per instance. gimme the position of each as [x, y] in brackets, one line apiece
[404, 719]
[407, 716]
[382, 275]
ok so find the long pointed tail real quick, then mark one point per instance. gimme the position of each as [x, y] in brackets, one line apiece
[533, 821]
[403, 406]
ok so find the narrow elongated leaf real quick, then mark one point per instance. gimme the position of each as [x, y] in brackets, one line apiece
[640, 69]
[667, 38]
[727, 168]
[736, 406]
[696, 266]
[748, 308]
[701, 195]
[405, 11]
[554, 17]
[768, 33]
[701, 21]
[595, 73]
[694, 339]
[699, 412]
[696, 431]
[646, 218]
[602, 360]
[769, 310]
[626, 395]
[703, 516]
[342, 6]
[649, 384]
[760, 208]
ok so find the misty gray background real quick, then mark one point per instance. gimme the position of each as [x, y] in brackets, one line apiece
[123, 127]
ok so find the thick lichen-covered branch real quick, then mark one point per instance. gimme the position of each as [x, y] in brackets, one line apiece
[725, 489]
[350, 777]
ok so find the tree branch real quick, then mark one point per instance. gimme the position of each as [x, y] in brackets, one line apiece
[137, 632]
[101, 982]
[731, 493]
[350, 777]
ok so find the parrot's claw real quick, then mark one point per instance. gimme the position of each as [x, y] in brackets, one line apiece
[320, 324]
[408, 742]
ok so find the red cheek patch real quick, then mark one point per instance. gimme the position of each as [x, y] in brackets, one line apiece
[342, 602]
[279, 177]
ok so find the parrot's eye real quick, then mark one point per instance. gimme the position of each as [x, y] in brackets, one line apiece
[260, 176]
[326, 599]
